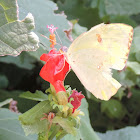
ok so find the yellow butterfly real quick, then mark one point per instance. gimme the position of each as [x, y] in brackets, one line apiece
[94, 53]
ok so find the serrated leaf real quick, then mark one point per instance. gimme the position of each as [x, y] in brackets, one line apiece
[39, 10]
[30, 120]
[16, 35]
[10, 128]
[135, 66]
[122, 7]
[37, 96]
[66, 124]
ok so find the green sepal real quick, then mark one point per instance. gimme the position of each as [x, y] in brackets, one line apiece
[48, 90]
[70, 105]
[42, 136]
[66, 123]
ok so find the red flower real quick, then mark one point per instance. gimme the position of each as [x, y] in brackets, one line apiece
[77, 96]
[55, 69]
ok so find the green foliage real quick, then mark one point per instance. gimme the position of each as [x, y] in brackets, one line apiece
[85, 131]
[24, 60]
[76, 10]
[8, 11]
[22, 77]
[66, 124]
[10, 128]
[128, 133]
[43, 11]
[77, 30]
[16, 35]
[4, 81]
[37, 96]
[113, 109]
[7, 101]
[21, 103]
[31, 120]
[135, 66]
[122, 7]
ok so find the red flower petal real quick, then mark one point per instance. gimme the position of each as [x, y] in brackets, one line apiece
[77, 96]
[55, 69]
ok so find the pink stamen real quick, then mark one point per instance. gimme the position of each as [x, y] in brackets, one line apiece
[51, 28]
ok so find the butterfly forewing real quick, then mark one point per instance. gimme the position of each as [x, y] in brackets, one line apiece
[94, 53]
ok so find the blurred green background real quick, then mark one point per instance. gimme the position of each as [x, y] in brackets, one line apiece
[21, 73]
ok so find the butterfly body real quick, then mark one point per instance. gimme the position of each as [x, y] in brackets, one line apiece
[94, 53]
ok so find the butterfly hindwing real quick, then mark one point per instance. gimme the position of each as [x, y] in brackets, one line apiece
[94, 53]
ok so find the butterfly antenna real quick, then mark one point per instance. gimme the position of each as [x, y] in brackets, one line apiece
[58, 37]
[51, 40]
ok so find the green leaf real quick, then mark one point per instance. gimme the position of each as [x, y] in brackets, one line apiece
[85, 131]
[78, 30]
[128, 133]
[3, 81]
[16, 35]
[102, 10]
[93, 3]
[123, 19]
[138, 56]
[37, 96]
[22, 104]
[120, 93]
[127, 77]
[122, 7]
[135, 66]
[76, 10]
[113, 109]
[24, 60]
[10, 128]
[66, 124]
[8, 11]
[30, 120]
[43, 11]
[136, 40]
[7, 101]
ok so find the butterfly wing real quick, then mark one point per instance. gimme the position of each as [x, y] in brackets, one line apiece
[94, 53]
